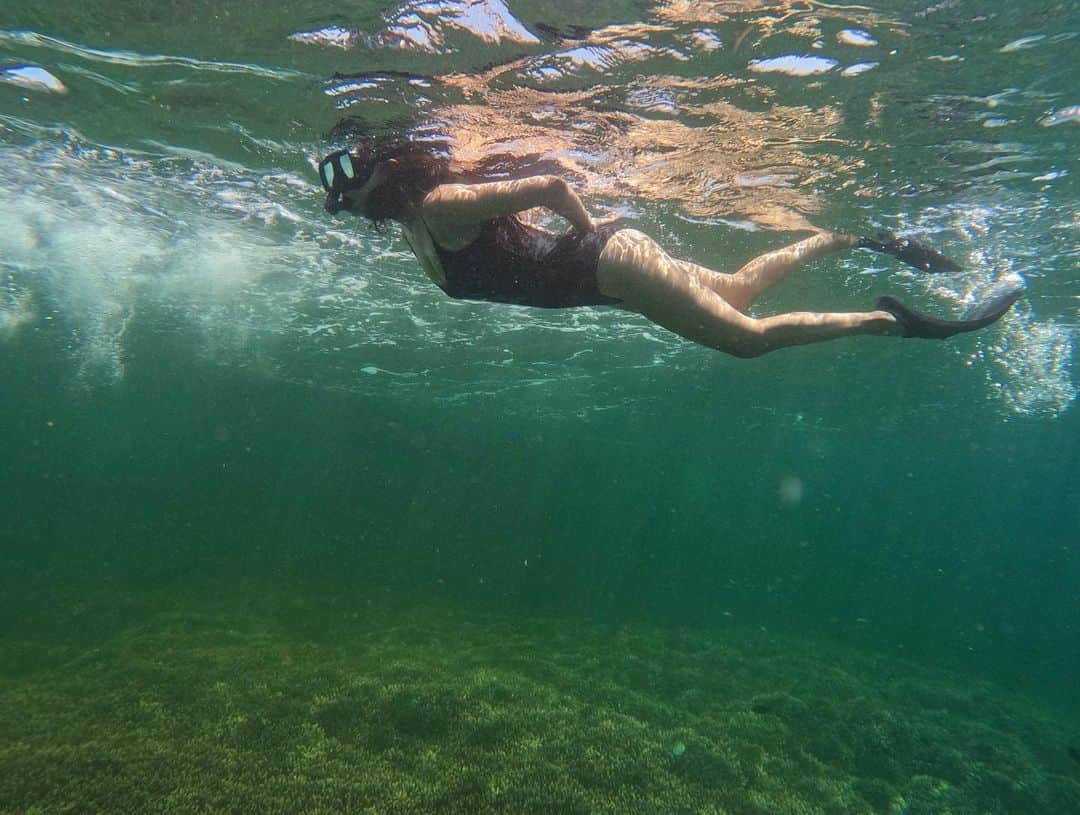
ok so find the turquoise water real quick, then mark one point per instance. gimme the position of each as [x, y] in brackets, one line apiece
[215, 395]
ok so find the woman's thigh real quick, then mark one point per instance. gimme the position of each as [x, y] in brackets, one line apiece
[635, 269]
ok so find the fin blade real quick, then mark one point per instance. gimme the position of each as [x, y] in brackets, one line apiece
[920, 325]
[912, 252]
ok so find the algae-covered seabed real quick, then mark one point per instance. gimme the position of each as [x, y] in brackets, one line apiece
[269, 698]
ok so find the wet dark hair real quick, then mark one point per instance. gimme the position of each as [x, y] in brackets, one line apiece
[421, 164]
[419, 169]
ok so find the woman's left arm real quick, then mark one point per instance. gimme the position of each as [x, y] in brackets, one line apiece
[475, 203]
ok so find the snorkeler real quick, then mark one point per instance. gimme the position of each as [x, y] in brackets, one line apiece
[472, 244]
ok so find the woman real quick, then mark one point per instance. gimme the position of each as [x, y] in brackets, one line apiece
[470, 241]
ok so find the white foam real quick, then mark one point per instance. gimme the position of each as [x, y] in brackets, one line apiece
[16, 306]
[1029, 366]
[1027, 358]
[82, 229]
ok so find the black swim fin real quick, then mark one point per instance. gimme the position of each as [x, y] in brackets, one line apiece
[919, 325]
[911, 252]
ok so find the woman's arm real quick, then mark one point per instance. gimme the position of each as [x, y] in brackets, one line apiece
[475, 203]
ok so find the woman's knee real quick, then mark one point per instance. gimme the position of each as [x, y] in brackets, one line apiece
[751, 339]
[747, 346]
[744, 341]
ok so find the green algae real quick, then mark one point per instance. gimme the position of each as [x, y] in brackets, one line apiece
[259, 699]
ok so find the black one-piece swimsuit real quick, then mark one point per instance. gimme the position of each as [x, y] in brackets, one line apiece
[512, 262]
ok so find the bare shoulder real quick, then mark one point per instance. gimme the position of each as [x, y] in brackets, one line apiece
[447, 202]
[441, 220]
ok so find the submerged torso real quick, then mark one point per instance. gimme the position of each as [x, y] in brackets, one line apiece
[508, 261]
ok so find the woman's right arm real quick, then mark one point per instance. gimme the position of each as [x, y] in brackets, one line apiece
[465, 204]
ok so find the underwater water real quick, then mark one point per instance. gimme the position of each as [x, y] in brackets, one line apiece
[285, 529]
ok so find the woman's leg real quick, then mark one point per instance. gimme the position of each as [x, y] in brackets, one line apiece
[636, 270]
[741, 288]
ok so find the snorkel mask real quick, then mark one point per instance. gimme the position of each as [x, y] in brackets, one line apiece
[340, 172]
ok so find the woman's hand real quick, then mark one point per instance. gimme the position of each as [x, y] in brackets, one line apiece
[610, 218]
[565, 202]
[596, 223]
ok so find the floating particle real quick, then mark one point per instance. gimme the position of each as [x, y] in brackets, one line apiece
[791, 491]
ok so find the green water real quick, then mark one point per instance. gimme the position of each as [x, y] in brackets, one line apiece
[286, 530]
